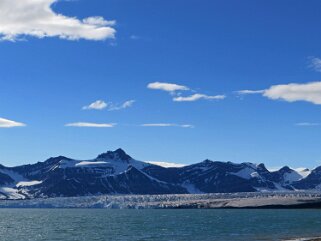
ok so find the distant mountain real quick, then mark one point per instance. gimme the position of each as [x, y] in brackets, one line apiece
[115, 172]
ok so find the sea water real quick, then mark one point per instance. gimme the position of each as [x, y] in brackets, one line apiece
[169, 224]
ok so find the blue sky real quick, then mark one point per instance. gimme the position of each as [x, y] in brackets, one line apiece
[250, 70]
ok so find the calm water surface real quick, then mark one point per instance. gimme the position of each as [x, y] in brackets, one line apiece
[100, 224]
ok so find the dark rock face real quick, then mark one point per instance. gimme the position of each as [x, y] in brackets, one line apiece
[39, 170]
[5, 179]
[80, 182]
[115, 172]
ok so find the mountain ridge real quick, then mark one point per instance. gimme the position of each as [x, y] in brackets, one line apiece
[116, 172]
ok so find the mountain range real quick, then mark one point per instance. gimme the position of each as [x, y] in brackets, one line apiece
[115, 172]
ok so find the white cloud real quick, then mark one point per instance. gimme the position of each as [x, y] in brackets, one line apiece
[99, 21]
[97, 105]
[100, 105]
[169, 87]
[187, 126]
[167, 125]
[196, 97]
[307, 124]
[36, 18]
[173, 88]
[5, 123]
[166, 164]
[125, 105]
[88, 124]
[128, 103]
[315, 64]
[309, 92]
[158, 125]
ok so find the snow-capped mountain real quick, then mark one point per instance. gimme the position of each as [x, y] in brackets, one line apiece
[115, 172]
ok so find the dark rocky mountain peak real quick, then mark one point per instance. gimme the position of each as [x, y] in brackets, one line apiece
[118, 154]
[207, 161]
[261, 166]
[285, 169]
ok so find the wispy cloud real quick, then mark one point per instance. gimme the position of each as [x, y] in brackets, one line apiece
[309, 92]
[169, 87]
[307, 124]
[175, 90]
[100, 105]
[5, 123]
[167, 125]
[37, 19]
[125, 105]
[97, 105]
[250, 92]
[90, 124]
[134, 37]
[315, 64]
[196, 97]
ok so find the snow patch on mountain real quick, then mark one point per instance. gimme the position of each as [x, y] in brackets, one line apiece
[304, 172]
[10, 193]
[28, 183]
[292, 176]
[90, 164]
[167, 164]
[246, 173]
